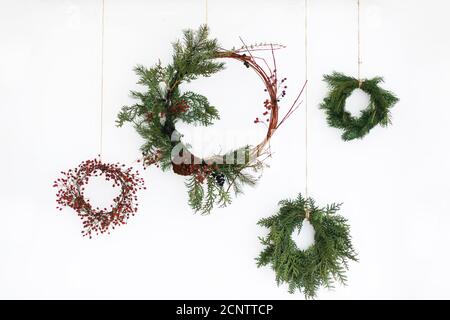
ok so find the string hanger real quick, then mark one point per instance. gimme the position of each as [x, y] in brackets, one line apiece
[359, 45]
[102, 42]
[206, 12]
[307, 215]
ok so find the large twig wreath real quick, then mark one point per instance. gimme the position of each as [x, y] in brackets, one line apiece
[321, 264]
[71, 186]
[162, 105]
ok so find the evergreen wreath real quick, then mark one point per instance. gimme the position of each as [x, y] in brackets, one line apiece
[377, 112]
[71, 188]
[211, 180]
[321, 264]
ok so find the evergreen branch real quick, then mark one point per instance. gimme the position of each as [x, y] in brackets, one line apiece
[200, 111]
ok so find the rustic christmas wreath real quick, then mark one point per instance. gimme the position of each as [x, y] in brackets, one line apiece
[71, 188]
[162, 105]
[319, 265]
[377, 112]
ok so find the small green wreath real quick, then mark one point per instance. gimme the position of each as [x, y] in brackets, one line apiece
[321, 264]
[377, 112]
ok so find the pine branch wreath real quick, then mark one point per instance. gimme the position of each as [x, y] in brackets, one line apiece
[377, 112]
[212, 180]
[321, 264]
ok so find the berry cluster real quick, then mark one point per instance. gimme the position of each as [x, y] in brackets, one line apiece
[246, 64]
[269, 105]
[283, 87]
[180, 107]
[150, 159]
[203, 171]
[95, 220]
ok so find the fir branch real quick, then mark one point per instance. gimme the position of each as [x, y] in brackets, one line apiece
[153, 117]
[193, 57]
[196, 193]
[200, 111]
[216, 190]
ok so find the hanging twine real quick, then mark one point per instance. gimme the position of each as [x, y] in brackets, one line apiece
[101, 76]
[206, 12]
[306, 109]
[359, 47]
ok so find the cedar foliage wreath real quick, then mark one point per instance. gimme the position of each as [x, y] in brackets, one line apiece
[319, 265]
[212, 180]
[377, 112]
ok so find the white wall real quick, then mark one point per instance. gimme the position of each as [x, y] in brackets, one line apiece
[394, 183]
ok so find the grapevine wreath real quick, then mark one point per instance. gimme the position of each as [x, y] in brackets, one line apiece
[377, 112]
[319, 265]
[211, 180]
[71, 188]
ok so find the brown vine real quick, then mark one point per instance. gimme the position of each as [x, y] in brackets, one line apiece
[188, 163]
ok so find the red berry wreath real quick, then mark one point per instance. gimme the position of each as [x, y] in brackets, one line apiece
[71, 188]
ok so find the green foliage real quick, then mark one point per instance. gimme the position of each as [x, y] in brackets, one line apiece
[377, 112]
[200, 111]
[196, 193]
[204, 194]
[193, 56]
[321, 264]
[153, 116]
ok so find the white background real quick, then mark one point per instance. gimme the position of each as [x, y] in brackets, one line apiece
[394, 184]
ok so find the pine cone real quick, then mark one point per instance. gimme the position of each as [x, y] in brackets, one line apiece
[220, 178]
